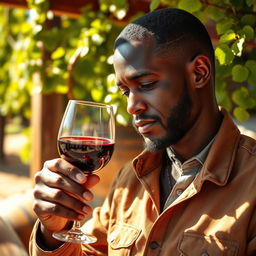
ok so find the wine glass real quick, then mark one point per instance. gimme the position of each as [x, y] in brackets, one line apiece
[86, 138]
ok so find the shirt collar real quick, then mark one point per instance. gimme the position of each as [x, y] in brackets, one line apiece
[195, 161]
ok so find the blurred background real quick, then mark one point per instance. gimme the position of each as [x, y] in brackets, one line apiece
[55, 50]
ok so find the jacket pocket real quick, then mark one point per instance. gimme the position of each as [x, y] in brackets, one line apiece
[121, 238]
[194, 244]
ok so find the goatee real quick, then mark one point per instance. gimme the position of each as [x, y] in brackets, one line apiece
[177, 125]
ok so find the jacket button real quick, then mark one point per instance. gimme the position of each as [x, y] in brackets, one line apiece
[205, 254]
[179, 192]
[154, 245]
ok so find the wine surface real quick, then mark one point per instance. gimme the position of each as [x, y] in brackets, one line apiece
[87, 153]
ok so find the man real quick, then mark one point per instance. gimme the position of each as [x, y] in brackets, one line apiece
[191, 191]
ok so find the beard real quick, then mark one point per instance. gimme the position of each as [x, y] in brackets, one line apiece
[177, 125]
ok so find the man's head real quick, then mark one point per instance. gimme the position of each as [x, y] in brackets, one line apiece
[164, 63]
[171, 28]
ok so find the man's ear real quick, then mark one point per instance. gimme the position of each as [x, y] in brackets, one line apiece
[200, 70]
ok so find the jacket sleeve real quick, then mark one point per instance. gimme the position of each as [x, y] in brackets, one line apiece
[95, 226]
[67, 249]
[98, 226]
[251, 245]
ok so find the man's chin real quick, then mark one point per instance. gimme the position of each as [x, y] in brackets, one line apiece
[154, 145]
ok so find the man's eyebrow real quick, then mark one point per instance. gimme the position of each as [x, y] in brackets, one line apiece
[139, 75]
[136, 76]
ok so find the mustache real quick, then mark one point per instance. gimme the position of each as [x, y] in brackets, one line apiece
[146, 117]
[143, 116]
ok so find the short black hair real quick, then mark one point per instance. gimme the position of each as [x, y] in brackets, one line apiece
[169, 27]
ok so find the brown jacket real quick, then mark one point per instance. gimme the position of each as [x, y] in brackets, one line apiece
[215, 215]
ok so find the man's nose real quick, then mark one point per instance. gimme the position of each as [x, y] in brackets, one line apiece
[135, 104]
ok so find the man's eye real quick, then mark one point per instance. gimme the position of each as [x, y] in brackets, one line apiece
[148, 86]
[125, 92]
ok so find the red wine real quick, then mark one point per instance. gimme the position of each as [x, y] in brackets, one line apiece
[87, 153]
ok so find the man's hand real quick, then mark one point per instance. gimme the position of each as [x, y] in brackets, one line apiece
[61, 193]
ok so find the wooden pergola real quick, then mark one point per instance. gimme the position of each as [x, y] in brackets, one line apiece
[73, 8]
[47, 109]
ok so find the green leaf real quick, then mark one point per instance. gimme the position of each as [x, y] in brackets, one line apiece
[54, 83]
[251, 65]
[25, 153]
[50, 39]
[223, 26]
[190, 5]
[248, 19]
[241, 114]
[223, 71]
[250, 2]
[222, 95]
[243, 98]
[224, 54]
[239, 73]
[154, 4]
[58, 53]
[215, 13]
[224, 101]
[237, 3]
[119, 3]
[61, 88]
[25, 27]
[97, 94]
[227, 37]
[83, 71]
[238, 46]
[249, 32]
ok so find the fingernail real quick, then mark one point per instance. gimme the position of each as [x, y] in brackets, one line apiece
[80, 177]
[87, 196]
[85, 209]
[81, 217]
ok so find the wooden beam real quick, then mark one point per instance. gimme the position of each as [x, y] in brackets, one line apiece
[71, 8]
[14, 3]
[60, 7]
[74, 8]
[2, 126]
[47, 111]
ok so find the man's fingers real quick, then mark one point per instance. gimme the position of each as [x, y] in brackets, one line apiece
[59, 197]
[43, 208]
[91, 181]
[62, 166]
[47, 180]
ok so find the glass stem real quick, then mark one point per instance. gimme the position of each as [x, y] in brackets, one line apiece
[76, 225]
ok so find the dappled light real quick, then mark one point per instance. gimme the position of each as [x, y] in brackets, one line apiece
[54, 51]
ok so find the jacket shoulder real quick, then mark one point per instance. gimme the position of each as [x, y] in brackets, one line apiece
[249, 144]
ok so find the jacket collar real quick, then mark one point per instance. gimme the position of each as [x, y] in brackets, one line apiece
[219, 162]
[220, 159]
[147, 161]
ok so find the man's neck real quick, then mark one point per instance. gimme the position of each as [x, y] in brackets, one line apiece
[200, 134]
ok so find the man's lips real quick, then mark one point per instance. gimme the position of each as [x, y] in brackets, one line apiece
[144, 126]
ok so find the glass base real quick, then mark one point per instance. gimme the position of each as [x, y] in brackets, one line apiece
[74, 236]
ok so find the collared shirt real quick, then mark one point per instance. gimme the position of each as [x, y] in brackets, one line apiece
[186, 171]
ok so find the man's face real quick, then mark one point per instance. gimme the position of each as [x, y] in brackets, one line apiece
[156, 91]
